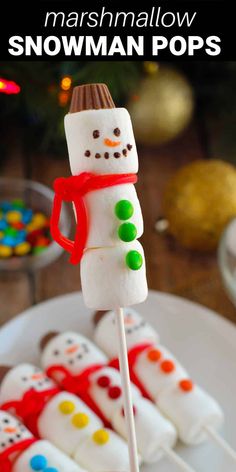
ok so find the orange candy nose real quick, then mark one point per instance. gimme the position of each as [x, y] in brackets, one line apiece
[167, 366]
[9, 430]
[186, 385]
[72, 349]
[110, 143]
[37, 376]
[154, 355]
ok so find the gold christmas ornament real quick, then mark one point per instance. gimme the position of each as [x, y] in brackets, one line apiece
[199, 202]
[163, 105]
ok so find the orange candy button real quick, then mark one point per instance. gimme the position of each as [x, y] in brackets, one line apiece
[167, 366]
[154, 355]
[186, 385]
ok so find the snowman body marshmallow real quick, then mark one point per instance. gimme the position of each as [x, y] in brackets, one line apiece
[103, 388]
[160, 376]
[21, 452]
[102, 149]
[64, 420]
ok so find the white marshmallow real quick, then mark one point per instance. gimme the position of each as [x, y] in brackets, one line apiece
[152, 430]
[72, 351]
[79, 129]
[152, 375]
[103, 223]
[109, 457]
[58, 428]
[109, 406]
[53, 457]
[190, 412]
[21, 379]
[107, 282]
[12, 431]
[137, 331]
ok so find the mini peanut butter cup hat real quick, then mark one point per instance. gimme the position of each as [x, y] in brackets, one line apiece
[46, 339]
[4, 369]
[91, 97]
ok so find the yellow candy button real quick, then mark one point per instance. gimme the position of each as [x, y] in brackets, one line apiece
[22, 249]
[101, 436]
[80, 420]
[14, 216]
[5, 251]
[66, 407]
[1, 234]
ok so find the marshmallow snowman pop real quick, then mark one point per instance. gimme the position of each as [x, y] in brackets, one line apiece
[163, 379]
[104, 163]
[20, 451]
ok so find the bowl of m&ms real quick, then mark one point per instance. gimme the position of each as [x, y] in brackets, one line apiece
[25, 239]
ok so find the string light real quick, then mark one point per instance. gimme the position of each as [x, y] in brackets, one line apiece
[9, 87]
[66, 83]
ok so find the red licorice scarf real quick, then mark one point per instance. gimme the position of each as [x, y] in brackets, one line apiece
[5, 456]
[133, 354]
[79, 385]
[73, 189]
[29, 407]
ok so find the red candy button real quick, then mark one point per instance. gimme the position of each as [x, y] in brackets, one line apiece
[103, 381]
[154, 355]
[114, 392]
[167, 366]
[186, 385]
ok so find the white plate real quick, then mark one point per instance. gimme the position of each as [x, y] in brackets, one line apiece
[205, 342]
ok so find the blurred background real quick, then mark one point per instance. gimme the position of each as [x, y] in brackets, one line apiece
[184, 117]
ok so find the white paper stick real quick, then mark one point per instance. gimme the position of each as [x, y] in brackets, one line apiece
[221, 442]
[127, 396]
[177, 460]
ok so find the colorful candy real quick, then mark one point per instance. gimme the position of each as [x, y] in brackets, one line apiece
[23, 230]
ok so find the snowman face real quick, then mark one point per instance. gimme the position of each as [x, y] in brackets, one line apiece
[137, 331]
[72, 351]
[21, 379]
[101, 141]
[12, 431]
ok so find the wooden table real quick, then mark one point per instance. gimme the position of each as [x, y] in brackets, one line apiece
[170, 268]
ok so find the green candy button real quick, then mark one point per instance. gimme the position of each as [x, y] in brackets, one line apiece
[134, 260]
[127, 232]
[124, 209]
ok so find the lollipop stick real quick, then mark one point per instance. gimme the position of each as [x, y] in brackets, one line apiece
[177, 460]
[221, 442]
[128, 405]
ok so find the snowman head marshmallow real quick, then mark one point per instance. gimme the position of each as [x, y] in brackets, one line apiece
[12, 432]
[16, 381]
[71, 351]
[137, 330]
[99, 136]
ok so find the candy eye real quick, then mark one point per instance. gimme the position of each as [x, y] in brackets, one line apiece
[116, 131]
[6, 420]
[56, 352]
[24, 379]
[96, 133]
[69, 341]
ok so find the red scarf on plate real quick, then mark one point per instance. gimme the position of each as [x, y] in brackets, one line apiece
[30, 406]
[79, 385]
[5, 456]
[133, 354]
[73, 189]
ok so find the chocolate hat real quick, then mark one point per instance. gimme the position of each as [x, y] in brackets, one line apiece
[91, 97]
[4, 369]
[46, 338]
[98, 315]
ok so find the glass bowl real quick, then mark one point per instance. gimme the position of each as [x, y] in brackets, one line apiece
[227, 259]
[36, 196]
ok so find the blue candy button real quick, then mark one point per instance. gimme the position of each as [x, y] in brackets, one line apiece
[27, 216]
[3, 225]
[38, 463]
[9, 241]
